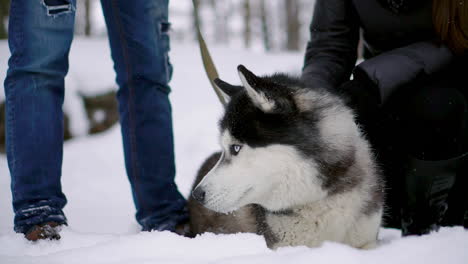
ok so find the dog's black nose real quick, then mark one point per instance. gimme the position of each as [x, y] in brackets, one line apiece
[199, 195]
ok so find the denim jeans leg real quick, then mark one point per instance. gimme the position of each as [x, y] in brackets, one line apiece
[138, 35]
[40, 35]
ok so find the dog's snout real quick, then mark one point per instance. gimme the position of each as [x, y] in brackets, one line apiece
[199, 195]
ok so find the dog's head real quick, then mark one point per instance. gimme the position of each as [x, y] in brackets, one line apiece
[267, 140]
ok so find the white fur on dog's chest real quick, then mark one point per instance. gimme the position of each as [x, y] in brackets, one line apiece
[307, 227]
[333, 219]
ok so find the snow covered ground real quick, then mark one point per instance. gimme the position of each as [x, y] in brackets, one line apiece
[100, 209]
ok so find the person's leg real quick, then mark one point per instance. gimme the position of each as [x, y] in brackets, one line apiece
[40, 34]
[420, 136]
[434, 139]
[139, 40]
[435, 118]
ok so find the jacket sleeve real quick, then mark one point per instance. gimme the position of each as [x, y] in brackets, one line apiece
[331, 52]
[394, 68]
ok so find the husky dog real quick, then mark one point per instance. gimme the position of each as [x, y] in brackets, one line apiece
[294, 168]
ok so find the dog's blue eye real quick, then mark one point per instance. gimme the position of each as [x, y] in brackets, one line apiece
[234, 149]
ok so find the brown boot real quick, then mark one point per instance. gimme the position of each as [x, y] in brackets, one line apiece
[49, 230]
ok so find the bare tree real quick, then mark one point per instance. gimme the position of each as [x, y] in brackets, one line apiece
[88, 11]
[247, 26]
[220, 16]
[4, 8]
[265, 26]
[293, 25]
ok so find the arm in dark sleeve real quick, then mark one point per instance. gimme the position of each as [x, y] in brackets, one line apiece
[332, 50]
[394, 68]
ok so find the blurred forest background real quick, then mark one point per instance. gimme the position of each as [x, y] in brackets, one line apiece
[257, 25]
[269, 25]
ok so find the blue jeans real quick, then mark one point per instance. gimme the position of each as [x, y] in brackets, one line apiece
[40, 34]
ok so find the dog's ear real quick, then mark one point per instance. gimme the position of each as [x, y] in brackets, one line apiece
[227, 90]
[253, 86]
[268, 95]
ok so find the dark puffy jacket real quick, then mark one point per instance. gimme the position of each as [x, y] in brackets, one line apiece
[398, 47]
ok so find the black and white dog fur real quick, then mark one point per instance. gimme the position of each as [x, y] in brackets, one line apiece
[294, 168]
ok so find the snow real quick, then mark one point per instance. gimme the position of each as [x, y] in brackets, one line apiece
[102, 228]
[447, 246]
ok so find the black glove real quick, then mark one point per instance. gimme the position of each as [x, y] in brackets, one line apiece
[362, 95]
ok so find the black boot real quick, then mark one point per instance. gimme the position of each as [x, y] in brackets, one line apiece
[428, 185]
[457, 213]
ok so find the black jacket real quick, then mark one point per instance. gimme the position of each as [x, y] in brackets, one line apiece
[398, 47]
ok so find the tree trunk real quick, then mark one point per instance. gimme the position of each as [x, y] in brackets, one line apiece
[196, 16]
[293, 25]
[265, 26]
[4, 9]
[88, 11]
[247, 28]
[220, 27]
